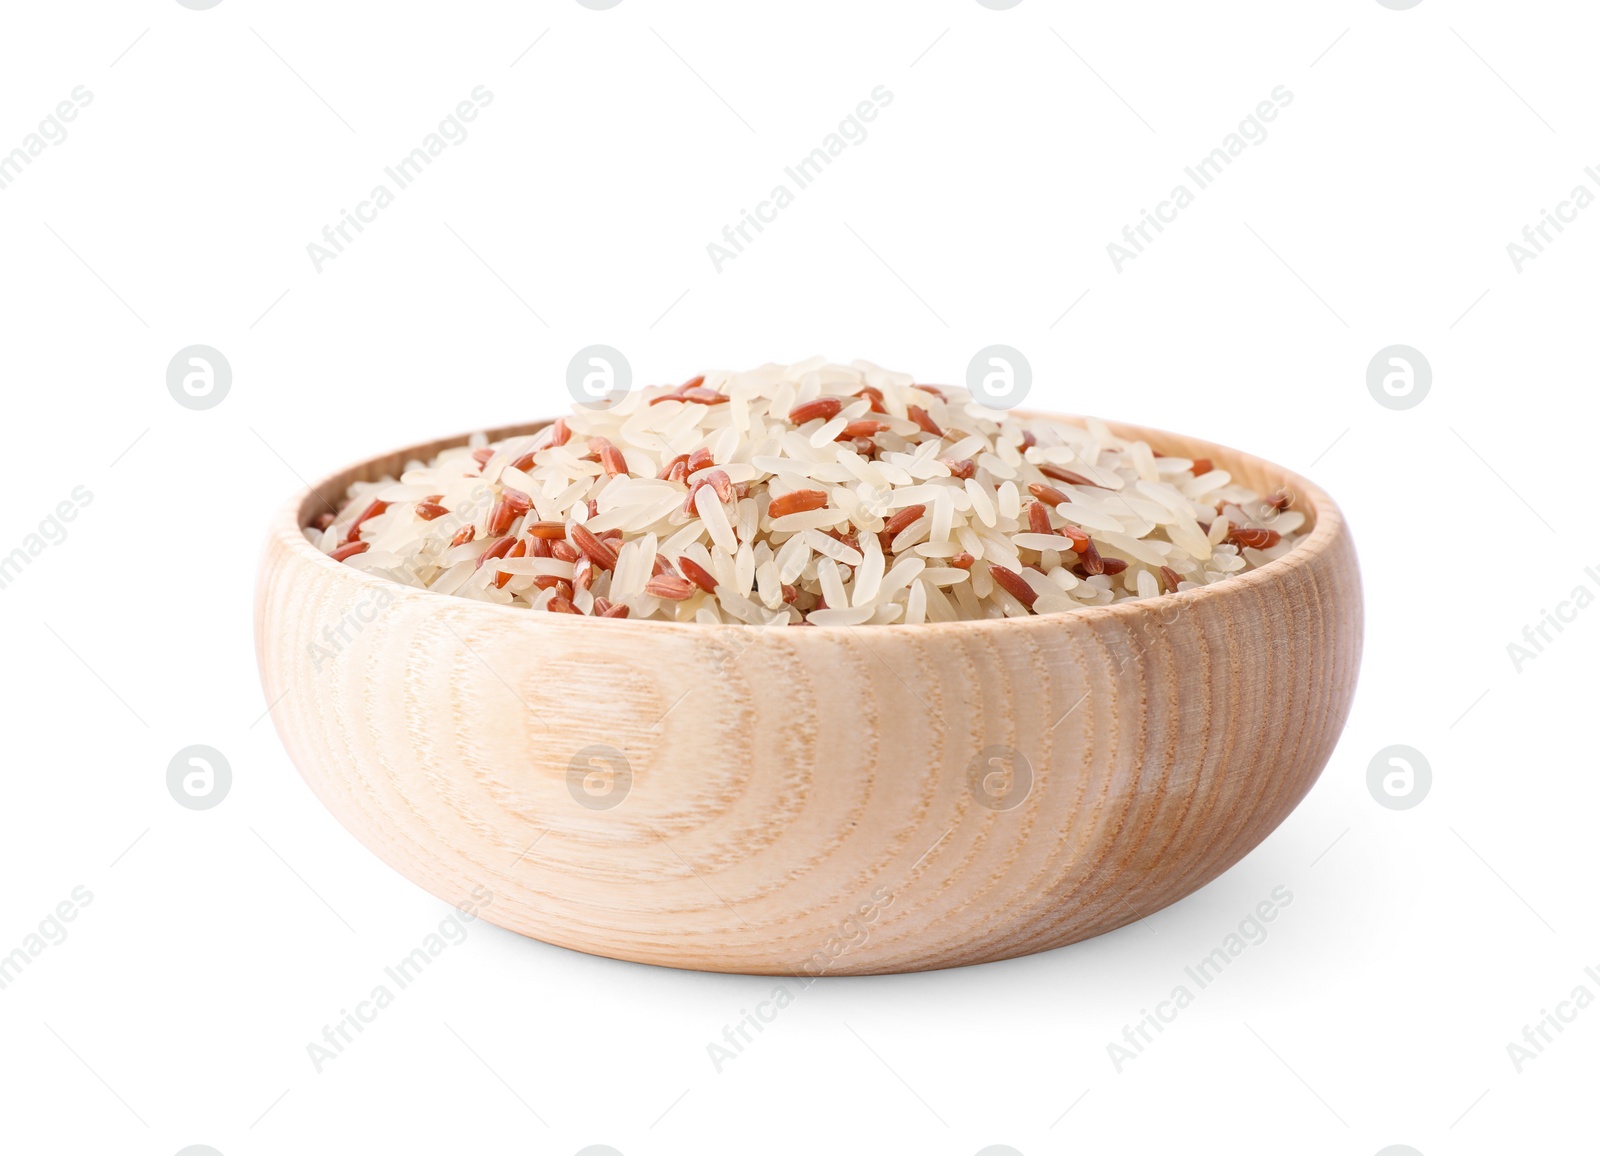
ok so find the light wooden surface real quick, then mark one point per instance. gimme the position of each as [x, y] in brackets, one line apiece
[785, 779]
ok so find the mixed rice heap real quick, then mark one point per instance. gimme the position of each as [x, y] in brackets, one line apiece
[814, 494]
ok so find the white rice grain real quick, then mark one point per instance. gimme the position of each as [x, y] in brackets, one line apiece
[1148, 514]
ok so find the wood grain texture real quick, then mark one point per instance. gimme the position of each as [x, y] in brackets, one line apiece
[802, 800]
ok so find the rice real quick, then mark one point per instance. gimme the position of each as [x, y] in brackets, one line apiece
[810, 494]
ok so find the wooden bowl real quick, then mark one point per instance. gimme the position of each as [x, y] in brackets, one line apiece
[812, 801]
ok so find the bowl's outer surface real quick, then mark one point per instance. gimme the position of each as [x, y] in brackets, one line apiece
[800, 798]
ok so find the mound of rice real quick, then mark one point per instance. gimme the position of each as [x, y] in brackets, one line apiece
[814, 494]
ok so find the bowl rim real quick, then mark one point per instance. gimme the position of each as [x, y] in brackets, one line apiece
[1328, 528]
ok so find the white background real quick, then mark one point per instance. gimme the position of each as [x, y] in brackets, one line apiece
[1018, 144]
